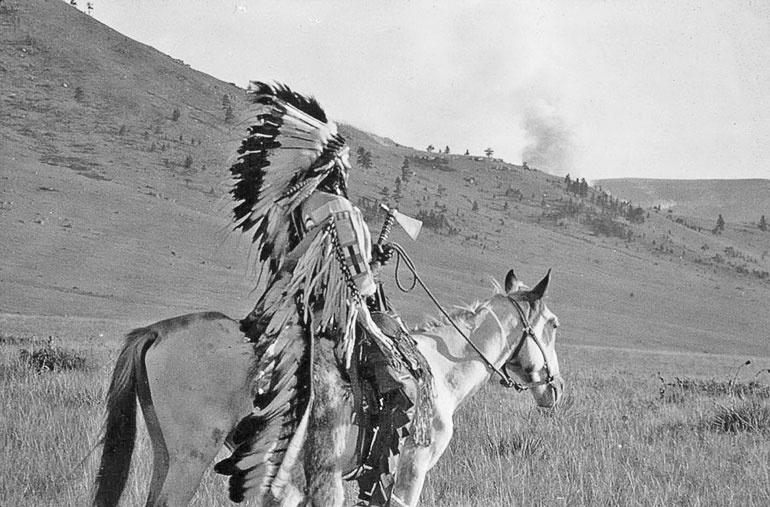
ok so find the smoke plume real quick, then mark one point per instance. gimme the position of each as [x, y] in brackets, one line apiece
[550, 145]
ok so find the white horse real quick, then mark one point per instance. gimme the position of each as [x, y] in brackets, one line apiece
[193, 374]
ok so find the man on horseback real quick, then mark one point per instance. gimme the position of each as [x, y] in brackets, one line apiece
[320, 266]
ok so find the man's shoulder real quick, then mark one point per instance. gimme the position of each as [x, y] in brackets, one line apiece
[326, 203]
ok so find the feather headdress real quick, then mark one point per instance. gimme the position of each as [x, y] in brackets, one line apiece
[289, 151]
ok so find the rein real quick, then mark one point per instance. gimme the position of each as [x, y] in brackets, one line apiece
[505, 379]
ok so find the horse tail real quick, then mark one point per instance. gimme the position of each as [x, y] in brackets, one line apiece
[119, 430]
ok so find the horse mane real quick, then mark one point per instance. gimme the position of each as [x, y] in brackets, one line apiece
[461, 314]
[465, 314]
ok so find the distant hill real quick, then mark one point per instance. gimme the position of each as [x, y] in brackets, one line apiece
[114, 204]
[739, 201]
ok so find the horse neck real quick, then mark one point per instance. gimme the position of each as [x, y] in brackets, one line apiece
[493, 335]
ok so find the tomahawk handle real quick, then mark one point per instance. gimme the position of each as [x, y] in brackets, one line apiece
[385, 232]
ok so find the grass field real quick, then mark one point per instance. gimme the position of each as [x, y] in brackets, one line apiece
[636, 428]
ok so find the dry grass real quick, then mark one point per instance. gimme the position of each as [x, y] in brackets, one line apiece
[49, 421]
[616, 440]
[611, 444]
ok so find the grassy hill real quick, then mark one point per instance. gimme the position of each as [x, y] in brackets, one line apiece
[739, 201]
[114, 205]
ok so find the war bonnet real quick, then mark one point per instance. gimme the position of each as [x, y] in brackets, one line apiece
[289, 151]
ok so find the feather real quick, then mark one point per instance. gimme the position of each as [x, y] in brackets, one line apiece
[307, 104]
[283, 474]
[261, 439]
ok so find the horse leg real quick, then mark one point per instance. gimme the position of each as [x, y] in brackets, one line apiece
[292, 497]
[327, 431]
[196, 389]
[178, 468]
[414, 463]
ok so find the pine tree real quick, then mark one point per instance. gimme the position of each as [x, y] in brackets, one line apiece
[583, 188]
[763, 223]
[397, 189]
[364, 157]
[406, 173]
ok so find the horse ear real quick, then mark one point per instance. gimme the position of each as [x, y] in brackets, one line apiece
[539, 291]
[510, 281]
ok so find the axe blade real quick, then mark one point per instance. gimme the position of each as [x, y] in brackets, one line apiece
[411, 226]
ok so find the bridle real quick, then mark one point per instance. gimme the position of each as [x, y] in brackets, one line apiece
[527, 332]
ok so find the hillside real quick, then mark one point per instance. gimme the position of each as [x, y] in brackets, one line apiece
[113, 205]
[739, 201]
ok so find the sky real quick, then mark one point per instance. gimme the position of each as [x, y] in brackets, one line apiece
[598, 89]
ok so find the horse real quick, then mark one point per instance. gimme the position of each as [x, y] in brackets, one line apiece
[192, 376]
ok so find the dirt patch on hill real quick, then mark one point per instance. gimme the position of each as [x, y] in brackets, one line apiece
[81, 166]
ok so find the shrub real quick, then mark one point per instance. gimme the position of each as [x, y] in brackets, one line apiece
[752, 416]
[52, 358]
[680, 387]
[175, 114]
[188, 162]
[604, 225]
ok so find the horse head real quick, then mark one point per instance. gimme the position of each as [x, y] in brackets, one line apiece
[533, 359]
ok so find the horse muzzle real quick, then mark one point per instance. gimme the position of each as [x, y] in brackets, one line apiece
[556, 388]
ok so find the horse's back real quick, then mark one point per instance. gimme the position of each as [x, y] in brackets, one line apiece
[199, 375]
